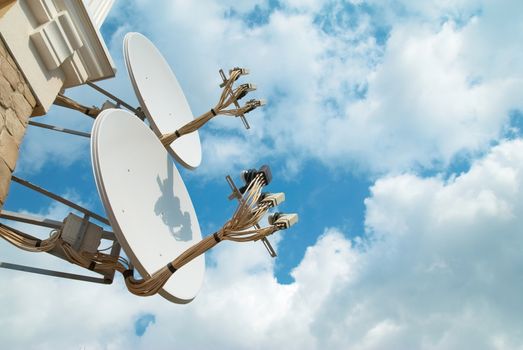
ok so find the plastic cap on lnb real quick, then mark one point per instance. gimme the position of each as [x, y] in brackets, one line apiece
[267, 174]
[248, 176]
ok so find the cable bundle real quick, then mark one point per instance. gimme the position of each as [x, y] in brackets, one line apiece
[64, 101]
[237, 229]
[92, 261]
[229, 96]
[242, 227]
[29, 244]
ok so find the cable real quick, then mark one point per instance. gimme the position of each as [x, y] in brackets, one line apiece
[29, 244]
[238, 229]
[64, 101]
[228, 97]
[92, 261]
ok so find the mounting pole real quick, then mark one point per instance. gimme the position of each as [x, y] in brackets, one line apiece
[107, 279]
[53, 273]
[137, 111]
[59, 129]
[60, 199]
[43, 222]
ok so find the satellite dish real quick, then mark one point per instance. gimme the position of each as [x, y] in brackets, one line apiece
[161, 97]
[149, 209]
[146, 200]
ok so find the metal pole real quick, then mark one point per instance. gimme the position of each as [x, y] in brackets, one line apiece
[59, 129]
[44, 222]
[29, 219]
[111, 96]
[60, 199]
[53, 273]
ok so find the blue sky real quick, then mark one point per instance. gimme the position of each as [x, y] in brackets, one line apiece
[394, 128]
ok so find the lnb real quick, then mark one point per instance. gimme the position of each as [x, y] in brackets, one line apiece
[283, 221]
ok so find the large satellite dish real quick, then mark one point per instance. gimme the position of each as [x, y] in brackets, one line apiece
[146, 200]
[149, 209]
[161, 97]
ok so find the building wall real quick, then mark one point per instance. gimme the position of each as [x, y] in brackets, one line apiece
[16, 105]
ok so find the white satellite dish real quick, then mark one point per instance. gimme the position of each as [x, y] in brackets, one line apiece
[146, 200]
[149, 208]
[161, 97]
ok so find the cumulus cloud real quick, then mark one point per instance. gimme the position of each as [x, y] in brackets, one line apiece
[43, 147]
[380, 87]
[438, 269]
[371, 86]
[385, 88]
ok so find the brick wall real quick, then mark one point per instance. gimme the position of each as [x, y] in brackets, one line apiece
[16, 105]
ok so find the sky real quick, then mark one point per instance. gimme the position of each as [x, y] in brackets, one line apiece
[393, 127]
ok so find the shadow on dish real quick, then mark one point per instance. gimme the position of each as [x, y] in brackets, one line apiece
[168, 207]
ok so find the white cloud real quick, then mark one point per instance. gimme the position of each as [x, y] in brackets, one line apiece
[438, 269]
[442, 85]
[231, 155]
[43, 147]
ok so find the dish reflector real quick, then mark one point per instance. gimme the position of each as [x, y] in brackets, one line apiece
[161, 97]
[146, 200]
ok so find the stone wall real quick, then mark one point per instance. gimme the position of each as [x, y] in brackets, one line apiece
[16, 106]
